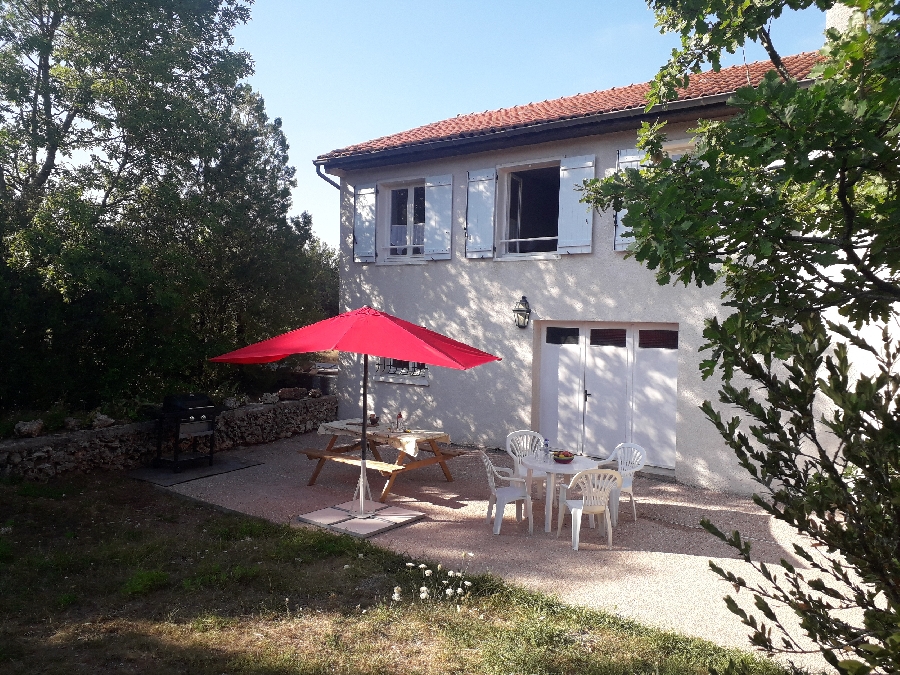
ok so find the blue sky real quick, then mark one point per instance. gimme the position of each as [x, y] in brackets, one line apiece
[341, 72]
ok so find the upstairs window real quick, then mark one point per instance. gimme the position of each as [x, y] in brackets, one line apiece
[407, 235]
[537, 211]
[533, 211]
[403, 222]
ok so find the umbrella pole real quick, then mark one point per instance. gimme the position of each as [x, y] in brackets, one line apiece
[364, 440]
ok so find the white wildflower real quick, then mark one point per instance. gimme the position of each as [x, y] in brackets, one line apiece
[450, 573]
[427, 573]
[422, 566]
[467, 583]
[346, 567]
[423, 590]
[396, 597]
[360, 555]
[449, 592]
[440, 568]
[410, 564]
[459, 591]
[423, 595]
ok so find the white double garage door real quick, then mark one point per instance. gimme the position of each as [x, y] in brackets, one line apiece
[602, 384]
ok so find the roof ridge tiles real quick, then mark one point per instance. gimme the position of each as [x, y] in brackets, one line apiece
[614, 99]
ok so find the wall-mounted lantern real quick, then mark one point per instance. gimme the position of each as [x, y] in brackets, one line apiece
[522, 312]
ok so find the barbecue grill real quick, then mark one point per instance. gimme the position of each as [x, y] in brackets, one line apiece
[191, 416]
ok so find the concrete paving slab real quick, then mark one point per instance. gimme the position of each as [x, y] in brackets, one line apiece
[369, 505]
[324, 517]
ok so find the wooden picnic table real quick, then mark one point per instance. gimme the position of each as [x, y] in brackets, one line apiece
[410, 444]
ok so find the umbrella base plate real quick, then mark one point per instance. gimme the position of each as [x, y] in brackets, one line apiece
[341, 519]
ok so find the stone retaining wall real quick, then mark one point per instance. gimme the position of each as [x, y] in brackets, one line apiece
[131, 445]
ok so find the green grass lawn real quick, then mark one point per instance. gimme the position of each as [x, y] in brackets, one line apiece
[103, 574]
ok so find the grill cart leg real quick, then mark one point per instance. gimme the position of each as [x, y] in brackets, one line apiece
[159, 440]
[176, 468]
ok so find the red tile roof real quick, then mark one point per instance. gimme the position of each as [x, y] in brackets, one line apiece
[616, 99]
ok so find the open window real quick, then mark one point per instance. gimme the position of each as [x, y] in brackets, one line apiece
[538, 207]
[532, 211]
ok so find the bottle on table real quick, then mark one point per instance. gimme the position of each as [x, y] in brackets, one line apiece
[546, 451]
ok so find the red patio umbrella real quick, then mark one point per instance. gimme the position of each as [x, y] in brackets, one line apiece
[369, 332]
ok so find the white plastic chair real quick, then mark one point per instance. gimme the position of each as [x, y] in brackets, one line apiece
[629, 458]
[521, 445]
[595, 486]
[501, 496]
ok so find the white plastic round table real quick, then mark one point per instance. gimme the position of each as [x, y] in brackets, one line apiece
[554, 469]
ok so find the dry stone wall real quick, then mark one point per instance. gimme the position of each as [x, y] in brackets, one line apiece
[132, 445]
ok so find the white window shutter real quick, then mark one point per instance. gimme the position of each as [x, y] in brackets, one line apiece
[364, 224]
[574, 216]
[626, 159]
[438, 216]
[480, 214]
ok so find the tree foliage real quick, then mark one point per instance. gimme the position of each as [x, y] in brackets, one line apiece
[791, 207]
[144, 200]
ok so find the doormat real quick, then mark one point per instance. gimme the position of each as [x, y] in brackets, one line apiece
[165, 477]
[341, 519]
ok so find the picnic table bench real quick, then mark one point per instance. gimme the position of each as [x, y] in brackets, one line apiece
[409, 443]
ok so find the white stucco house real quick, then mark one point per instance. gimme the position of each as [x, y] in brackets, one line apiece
[449, 225]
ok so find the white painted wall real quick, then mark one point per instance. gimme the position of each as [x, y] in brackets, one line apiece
[472, 300]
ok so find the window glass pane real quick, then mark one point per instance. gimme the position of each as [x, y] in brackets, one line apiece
[419, 204]
[399, 199]
[418, 239]
[399, 213]
[607, 337]
[397, 367]
[658, 339]
[562, 336]
[515, 201]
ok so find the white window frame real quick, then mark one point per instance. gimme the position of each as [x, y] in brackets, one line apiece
[382, 364]
[409, 256]
[437, 225]
[501, 233]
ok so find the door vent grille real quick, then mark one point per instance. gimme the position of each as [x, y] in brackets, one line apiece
[658, 339]
[607, 337]
[562, 336]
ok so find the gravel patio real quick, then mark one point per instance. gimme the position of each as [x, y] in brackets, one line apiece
[657, 571]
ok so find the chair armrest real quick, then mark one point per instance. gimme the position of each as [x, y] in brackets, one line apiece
[509, 476]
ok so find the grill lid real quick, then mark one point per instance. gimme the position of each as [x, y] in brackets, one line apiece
[178, 403]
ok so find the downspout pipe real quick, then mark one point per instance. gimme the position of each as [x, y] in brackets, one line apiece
[324, 177]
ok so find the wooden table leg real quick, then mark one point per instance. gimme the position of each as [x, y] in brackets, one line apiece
[318, 469]
[373, 448]
[401, 460]
[441, 460]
